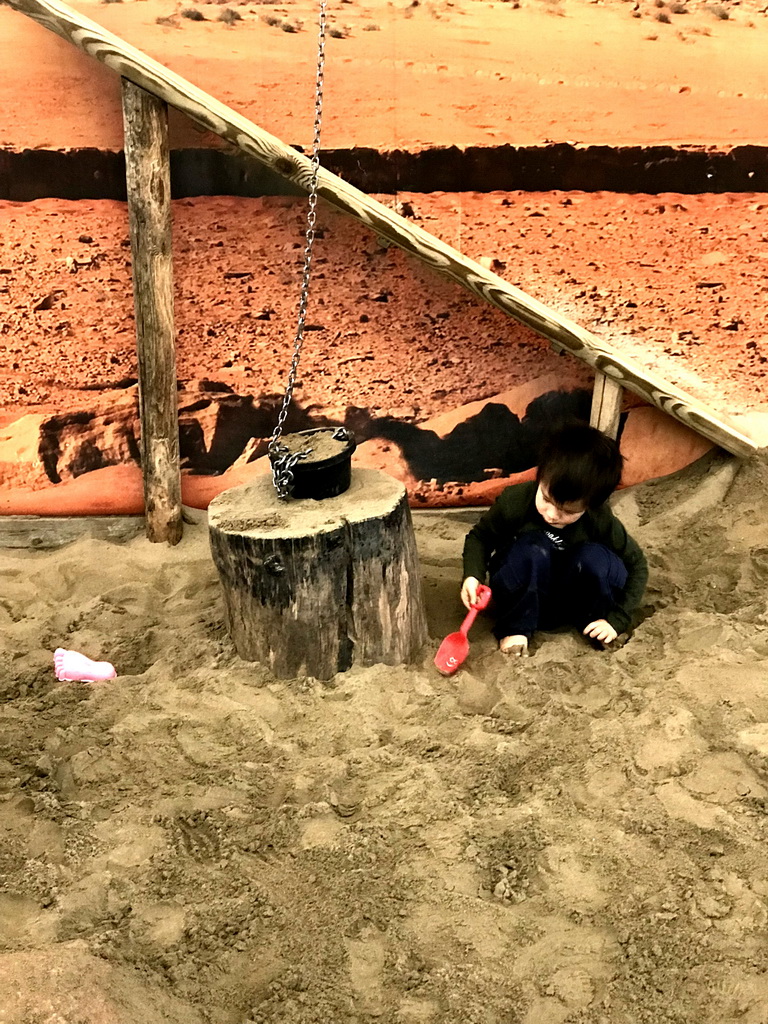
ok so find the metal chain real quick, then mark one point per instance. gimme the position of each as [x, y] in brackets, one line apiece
[282, 462]
[282, 470]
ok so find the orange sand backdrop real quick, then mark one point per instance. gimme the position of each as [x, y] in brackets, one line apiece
[411, 74]
[677, 282]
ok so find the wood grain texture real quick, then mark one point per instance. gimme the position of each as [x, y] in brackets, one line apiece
[214, 116]
[148, 177]
[313, 587]
[47, 533]
[606, 405]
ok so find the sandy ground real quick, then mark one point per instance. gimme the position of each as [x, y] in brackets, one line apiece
[413, 74]
[579, 837]
[576, 838]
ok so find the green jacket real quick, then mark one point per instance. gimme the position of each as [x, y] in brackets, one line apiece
[514, 512]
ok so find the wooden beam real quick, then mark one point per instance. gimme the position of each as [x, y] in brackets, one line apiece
[214, 116]
[46, 533]
[606, 405]
[148, 176]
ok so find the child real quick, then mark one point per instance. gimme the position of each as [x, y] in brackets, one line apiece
[556, 553]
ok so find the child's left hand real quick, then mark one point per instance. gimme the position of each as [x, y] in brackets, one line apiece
[601, 630]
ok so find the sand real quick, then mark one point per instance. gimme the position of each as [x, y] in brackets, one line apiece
[576, 837]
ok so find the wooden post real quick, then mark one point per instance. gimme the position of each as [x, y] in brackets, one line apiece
[606, 405]
[148, 177]
[314, 587]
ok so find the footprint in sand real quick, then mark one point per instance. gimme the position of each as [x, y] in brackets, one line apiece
[718, 590]
[18, 595]
[573, 986]
[669, 745]
[139, 600]
[74, 578]
[737, 993]
[367, 957]
[66, 983]
[165, 923]
[706, 684]
[574, 965]
[23, 922]
[196, 836]
[759, 563]
[722, 778]
[189, 582]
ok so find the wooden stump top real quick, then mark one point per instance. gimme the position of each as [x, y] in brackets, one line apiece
[254, 510]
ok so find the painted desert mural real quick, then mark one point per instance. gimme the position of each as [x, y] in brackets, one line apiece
[440, 389]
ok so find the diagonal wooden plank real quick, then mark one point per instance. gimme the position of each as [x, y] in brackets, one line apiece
[209, 113]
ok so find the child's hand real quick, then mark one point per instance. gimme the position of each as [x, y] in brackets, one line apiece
[469, 591]
[601, 630]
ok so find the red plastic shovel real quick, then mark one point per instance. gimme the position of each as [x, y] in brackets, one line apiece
[454, 649]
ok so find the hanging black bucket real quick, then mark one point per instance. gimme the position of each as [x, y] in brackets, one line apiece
[324, 468]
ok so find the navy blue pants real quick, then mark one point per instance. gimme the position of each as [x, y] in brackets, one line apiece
[536, 586]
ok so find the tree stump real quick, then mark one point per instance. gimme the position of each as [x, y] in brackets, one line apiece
[313, 587]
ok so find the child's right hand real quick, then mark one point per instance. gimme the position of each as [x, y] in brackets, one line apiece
[469, 592]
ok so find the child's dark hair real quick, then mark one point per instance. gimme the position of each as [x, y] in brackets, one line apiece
[582, 464]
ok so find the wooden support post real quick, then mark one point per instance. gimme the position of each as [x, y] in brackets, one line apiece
[147, 171]
[606, 404]
[313, 587]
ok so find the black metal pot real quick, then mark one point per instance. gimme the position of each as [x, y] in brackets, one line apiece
[324, 478]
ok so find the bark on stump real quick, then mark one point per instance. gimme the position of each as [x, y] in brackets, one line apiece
[313, 587]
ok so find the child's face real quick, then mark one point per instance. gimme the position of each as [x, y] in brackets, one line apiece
[554, 514]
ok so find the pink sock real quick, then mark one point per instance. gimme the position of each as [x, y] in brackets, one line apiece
[73, 667]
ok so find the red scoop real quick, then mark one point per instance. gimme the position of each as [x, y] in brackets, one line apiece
[454, 649]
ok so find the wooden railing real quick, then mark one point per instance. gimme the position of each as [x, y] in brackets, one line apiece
[150, 220]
